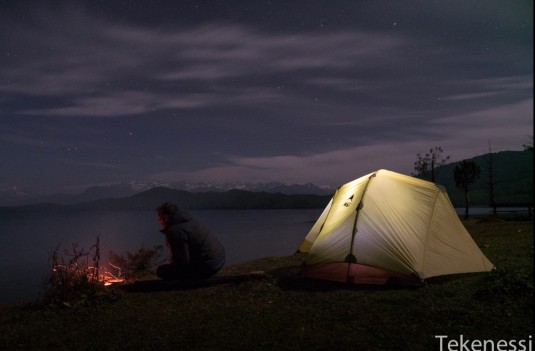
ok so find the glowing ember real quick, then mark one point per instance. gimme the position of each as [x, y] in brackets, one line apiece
[108, 278]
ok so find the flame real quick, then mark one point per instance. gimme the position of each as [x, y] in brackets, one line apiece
[110, 278]
[107, 277]
[103, 274]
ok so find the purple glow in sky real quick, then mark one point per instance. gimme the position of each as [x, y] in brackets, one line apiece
[101, 92]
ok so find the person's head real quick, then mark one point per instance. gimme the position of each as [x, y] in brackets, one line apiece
[166, 211]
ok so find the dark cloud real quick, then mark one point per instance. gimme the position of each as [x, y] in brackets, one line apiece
[105, 91]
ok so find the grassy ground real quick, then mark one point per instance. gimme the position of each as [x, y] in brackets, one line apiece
[284, 312]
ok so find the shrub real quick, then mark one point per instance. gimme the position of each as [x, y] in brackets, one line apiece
[74, 276]
[138, 264]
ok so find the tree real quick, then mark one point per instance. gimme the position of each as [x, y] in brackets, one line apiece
[465, 174]
[529, 146]
[427, 165]
[492, 197]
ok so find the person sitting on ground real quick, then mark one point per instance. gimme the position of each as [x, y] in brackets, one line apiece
[195, 253]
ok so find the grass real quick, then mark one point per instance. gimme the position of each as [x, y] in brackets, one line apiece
[284, 312]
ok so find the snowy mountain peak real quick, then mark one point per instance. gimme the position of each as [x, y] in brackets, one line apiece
[16, 196]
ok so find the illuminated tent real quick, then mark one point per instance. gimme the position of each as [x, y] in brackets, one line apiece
[386, 227]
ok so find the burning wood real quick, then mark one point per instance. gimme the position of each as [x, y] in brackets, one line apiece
[107, 277]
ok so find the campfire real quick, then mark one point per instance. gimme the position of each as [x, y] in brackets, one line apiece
[77, 273]
[107, 277]
[67, 274]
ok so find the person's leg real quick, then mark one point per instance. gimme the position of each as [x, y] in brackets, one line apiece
[170, 272]
[208, 269]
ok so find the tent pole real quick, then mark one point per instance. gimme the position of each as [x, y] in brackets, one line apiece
[351, 258]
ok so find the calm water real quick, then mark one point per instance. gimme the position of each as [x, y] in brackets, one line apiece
[28, 239]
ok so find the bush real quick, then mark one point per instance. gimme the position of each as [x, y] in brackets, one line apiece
[78, 278]
[74, 277]
[139, 264]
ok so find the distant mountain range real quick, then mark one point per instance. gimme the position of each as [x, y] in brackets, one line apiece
[512, 178]
[152, 198]
[20, 197]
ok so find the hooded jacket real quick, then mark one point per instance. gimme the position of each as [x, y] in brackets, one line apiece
[191, 245]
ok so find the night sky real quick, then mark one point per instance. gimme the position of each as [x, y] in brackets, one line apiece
[323, 92]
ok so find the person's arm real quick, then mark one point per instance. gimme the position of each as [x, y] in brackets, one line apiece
[179, 250]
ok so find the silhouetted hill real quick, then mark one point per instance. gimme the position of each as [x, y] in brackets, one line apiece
[20, 197]
[232, 199]
[229, 200]
[512, 178]
[512, 174]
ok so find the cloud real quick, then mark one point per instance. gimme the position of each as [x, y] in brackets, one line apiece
[329, 168]
[258, 92]
[461, 136]
[108, 69]
[20, 140]
[504, 127]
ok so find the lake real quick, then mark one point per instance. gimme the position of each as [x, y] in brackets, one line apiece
[28, 239]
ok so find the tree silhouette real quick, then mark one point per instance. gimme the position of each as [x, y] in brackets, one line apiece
[426, 166]
[492, 196]
[465, 174]
[529, 146]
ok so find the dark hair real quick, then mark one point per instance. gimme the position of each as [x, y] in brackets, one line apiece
[167, 208]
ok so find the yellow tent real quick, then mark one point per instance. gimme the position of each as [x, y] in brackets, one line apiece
[388, 227]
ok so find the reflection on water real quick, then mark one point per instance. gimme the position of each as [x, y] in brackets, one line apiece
[28, 239]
